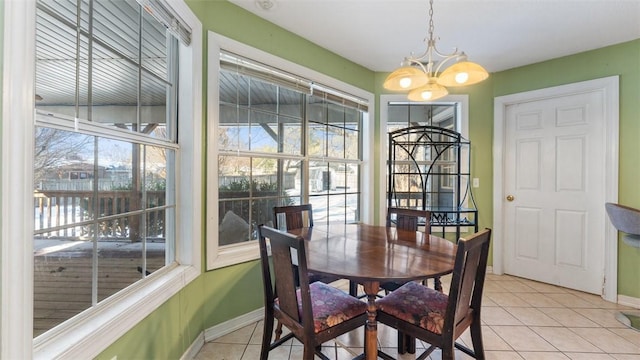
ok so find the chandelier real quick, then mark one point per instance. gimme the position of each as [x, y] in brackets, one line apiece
[421, 76]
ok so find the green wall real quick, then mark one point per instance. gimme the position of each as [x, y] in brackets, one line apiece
[221, 295]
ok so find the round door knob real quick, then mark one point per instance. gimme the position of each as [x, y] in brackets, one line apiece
[510, 197]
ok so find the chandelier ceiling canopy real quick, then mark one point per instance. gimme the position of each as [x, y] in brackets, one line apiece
[421, 76]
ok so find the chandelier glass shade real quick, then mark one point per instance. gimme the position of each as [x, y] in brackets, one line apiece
[432, 90]
[406, 78]
[421, 75]
[462, 73]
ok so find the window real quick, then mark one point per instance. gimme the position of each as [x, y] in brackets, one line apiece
[334, 151]
[102, 171]
[260, 148]
[267, 120]
[408, 114]
[282, 139]
[106, 104]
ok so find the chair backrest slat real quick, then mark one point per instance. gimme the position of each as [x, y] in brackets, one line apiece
[286, 249]
[409, 219]
[293, 217]
[469, 271]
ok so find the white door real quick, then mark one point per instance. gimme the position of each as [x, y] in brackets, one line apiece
[554, 190]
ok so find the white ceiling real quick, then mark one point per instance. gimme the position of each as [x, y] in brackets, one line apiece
[498, 34]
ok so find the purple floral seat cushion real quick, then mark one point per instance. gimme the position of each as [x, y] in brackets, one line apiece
[416, 304]
[330, 306]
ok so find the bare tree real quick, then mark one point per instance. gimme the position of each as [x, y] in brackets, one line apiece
[54, 148]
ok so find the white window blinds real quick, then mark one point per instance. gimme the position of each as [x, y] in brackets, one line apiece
[162, 12]
[236, 63]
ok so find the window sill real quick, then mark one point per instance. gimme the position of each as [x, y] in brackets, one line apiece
[234, 254]
[92, 331]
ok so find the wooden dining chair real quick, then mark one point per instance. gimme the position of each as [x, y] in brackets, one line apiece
[292, 217]
[408, 219]
[439, 319]
[313, 312]
[297, 217]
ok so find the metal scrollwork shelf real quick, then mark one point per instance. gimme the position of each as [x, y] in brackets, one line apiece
[429, 169]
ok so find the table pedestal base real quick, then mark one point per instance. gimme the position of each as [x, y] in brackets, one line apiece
[371, 328]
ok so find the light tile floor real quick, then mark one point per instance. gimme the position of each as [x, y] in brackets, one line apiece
[522, 319]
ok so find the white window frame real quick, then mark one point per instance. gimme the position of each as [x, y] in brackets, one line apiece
[462, 101]
[89, 333]
[217, 256]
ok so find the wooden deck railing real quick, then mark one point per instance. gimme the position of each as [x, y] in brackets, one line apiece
[72, 214]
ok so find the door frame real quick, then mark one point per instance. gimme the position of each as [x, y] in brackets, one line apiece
[610, 89]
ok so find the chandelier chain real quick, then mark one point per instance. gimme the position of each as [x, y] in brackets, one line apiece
[421, 75]
[430, 20]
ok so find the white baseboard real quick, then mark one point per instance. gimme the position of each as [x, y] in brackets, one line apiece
[629, 301]
[222, 329]
[234, 324]
[194, 349]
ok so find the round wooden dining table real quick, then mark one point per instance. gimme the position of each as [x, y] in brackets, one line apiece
[371, 255]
